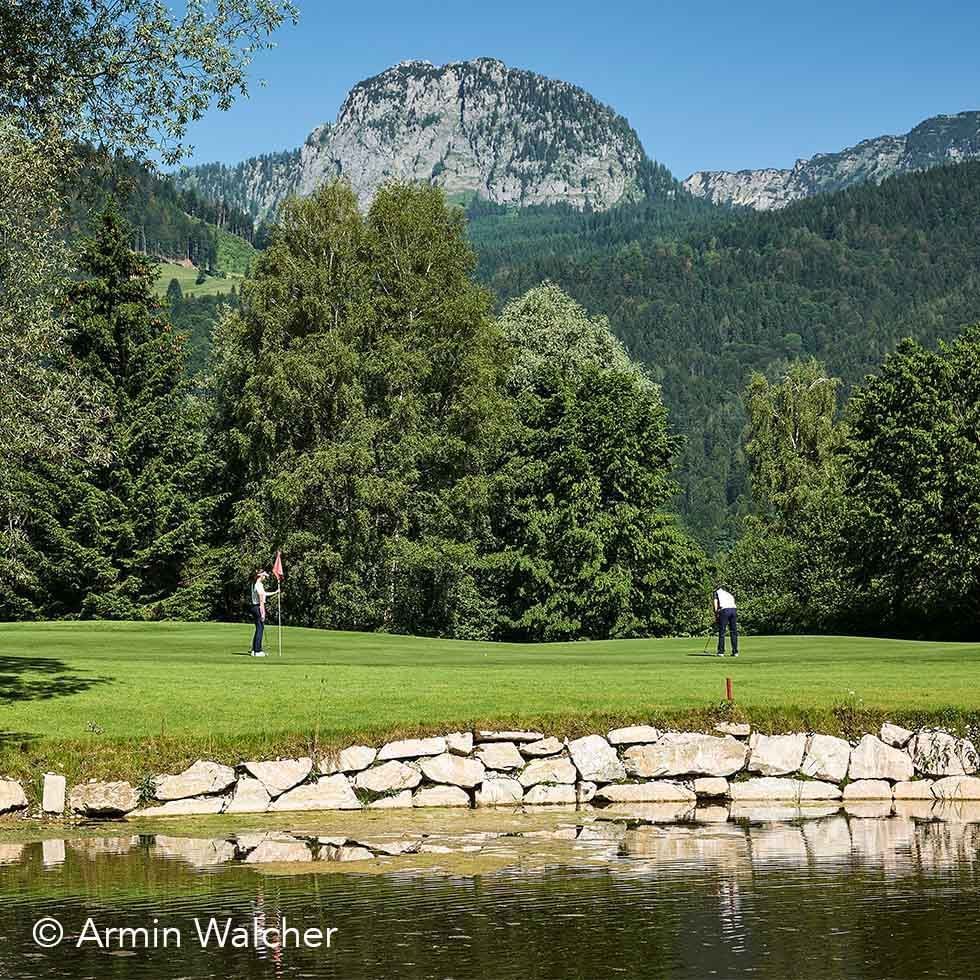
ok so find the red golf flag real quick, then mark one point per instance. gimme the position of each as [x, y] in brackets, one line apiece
[277, 567]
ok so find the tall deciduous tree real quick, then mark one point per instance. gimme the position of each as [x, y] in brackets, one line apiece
[587, 548]
[913, 476]
[788, 568]
[358, 396]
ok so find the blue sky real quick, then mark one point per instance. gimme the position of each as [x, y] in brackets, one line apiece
[706, 85]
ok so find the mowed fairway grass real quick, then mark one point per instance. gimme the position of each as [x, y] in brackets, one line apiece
[112, 681]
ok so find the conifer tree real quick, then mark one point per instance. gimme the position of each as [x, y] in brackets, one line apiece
[121, 532]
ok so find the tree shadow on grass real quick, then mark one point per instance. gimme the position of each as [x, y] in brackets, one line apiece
[39, 679]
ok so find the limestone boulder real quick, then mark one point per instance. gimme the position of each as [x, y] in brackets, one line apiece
[543, 794]
[397, 801]
[868, 789]
[942, 754]
[249, 796]
[585, 792]
[412, 748]
[710, 786]
[687, 755]
[872, 759]
[389, 777]
[957, 788]
[440, 796]
[500, 791]
[733, 728]
[596, 760]
[327, 793]
[776, 755]
[194, 806]
[12, 796]
[200, 779]
[763, 788]
[555, 770]
[633, 735]
[516, 736]
[543, 747]
[54, 793]
[499, 755]
[917, 789]
[281, 775]
[658, 791]
[895, 735]
[827, 758]
[453, 770]
[352, 759]
[459, 743]
[114, 799]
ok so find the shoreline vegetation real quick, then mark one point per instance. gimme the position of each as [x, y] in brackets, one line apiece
[101, 700]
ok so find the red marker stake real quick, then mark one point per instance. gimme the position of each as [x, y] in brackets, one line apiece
[728, 689]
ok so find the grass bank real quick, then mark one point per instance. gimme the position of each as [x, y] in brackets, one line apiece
[130, 699]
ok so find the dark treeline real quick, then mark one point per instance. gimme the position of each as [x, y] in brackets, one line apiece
[703, 297]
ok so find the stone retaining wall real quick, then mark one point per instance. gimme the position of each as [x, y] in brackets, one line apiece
[638, 764]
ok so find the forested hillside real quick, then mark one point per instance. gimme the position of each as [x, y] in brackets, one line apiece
[703, 298]
[166, 222]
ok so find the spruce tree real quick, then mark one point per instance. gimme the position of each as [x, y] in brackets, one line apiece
[132, 523]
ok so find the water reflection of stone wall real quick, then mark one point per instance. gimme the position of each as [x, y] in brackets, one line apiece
[650, 836]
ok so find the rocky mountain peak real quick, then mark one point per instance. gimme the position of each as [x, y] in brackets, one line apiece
[939, 140]
[471, 127]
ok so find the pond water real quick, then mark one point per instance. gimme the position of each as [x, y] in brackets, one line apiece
[634, 893]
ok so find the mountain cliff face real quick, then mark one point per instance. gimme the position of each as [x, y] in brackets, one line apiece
[942, 139]
[472, 127]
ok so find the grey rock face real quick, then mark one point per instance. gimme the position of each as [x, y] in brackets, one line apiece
[662, 791]
[941, 754]
[200, 779]
[103, 799]
[548, 771]
[502, 791]
[776, 755]
[687, 755]
[54, 793]
[352, 759]
[453, 770]
[872, 759]
[412, 748]
[12, 796]
[596, 759]
[827, 757]
[469, 127]
[939, 140]
[440, 796]
[279, 776]
[389, 777]
[500, 755]
[633, 735]
[327, 793]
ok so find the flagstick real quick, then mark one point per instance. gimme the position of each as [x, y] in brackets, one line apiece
[279, 613]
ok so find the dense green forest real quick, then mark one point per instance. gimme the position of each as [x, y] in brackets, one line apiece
[703, 297]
